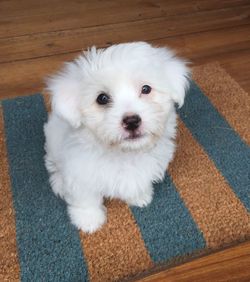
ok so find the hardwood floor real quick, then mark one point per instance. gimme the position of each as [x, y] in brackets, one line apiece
[37, 36]
[228, 265]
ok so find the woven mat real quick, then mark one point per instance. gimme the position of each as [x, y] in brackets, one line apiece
[201, 206]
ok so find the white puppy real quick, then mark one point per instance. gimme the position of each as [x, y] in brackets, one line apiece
[112, 125]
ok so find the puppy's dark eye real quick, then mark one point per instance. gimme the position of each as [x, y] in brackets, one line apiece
[146, 89]
[103, 99]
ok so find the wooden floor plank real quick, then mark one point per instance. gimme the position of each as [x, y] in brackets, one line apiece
[47, 44]
[31, 17]
[205, 45]
[226, 266]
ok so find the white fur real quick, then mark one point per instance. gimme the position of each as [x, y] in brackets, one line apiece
[88, 154]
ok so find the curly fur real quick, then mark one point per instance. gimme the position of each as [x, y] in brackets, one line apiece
[89, 154]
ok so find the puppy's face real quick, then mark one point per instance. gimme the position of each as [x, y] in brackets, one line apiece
[124, 108]
[123, 94]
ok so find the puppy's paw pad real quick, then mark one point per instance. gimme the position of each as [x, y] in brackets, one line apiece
[88, 220]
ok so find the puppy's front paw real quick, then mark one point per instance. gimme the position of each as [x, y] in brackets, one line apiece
[88, 220]
[142, 201]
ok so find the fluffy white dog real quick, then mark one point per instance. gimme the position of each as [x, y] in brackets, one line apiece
[112, 125]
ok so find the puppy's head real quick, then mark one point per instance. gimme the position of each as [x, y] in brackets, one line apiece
[122, 95]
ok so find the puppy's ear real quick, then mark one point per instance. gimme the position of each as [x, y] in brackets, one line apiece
[177, 76]
[65, 93]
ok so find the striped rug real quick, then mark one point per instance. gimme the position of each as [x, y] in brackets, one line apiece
[201, 206]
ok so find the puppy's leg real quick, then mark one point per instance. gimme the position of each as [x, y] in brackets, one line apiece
[55, 177]
[143, 198]
[88, 215]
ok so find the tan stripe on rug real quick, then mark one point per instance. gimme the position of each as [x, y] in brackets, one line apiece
[117, 250]
[217, 211]
[47, 102]
[10, 269]
[226, 95]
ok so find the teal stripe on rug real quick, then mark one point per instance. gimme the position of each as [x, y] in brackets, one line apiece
[223, 145]
[49, 246]
[166, 225]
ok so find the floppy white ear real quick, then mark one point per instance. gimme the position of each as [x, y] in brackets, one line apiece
[65, 92]
[178, 75]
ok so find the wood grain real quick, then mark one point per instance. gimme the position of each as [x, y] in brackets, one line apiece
[229, 265]
[36, 37]
[18, 17]
[63, 41]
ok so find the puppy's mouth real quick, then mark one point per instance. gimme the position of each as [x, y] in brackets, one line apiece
[134, 135]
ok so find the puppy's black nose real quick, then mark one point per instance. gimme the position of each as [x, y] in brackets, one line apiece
[131, 122]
